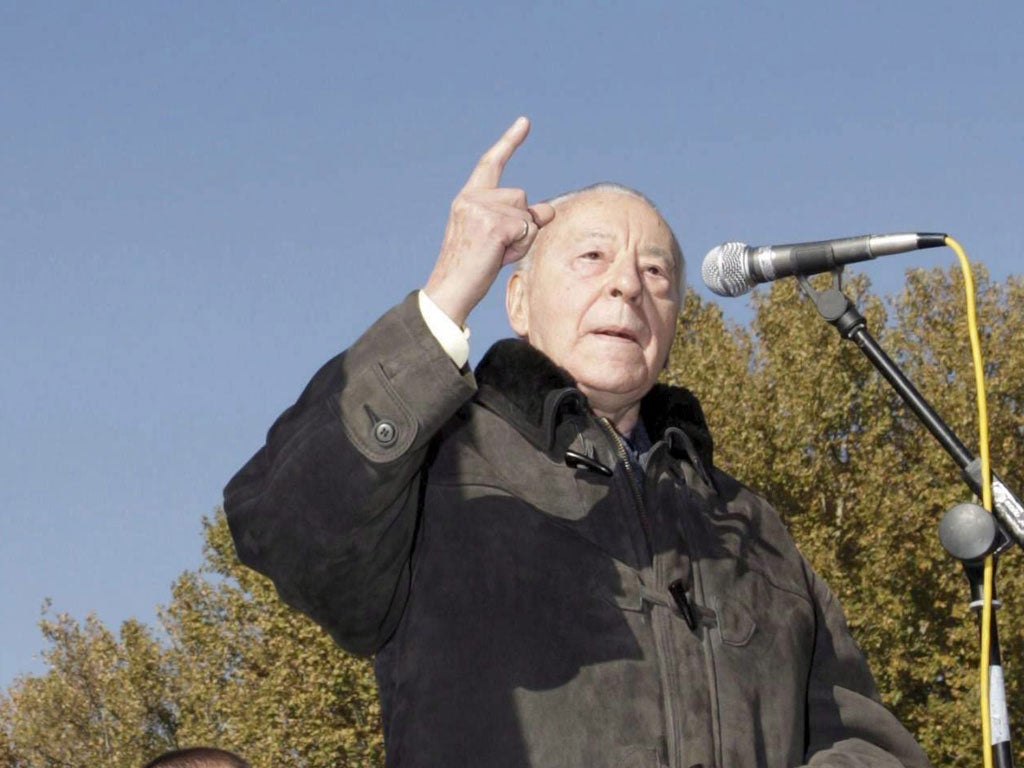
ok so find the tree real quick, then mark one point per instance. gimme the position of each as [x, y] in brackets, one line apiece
[102, 702]
[236, 668]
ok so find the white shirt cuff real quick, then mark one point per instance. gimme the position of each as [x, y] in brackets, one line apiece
[453, 339]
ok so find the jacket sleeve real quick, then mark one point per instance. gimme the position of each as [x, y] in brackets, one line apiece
[328, 507]
[847, 724]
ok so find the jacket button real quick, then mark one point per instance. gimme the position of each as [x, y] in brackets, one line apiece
[385, 432]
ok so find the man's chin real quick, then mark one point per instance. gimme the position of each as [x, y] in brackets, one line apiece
[616, 374]
[600, 388]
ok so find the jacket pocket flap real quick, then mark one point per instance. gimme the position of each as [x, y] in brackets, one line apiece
[735, 623]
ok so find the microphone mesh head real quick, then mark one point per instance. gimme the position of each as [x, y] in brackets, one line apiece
[725, 269]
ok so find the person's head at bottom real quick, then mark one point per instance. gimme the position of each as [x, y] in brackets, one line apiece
[197, 757]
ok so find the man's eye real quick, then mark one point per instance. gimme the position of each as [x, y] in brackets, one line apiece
[654, 269]
[591, 256]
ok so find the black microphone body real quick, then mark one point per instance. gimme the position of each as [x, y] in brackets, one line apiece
[732, 269]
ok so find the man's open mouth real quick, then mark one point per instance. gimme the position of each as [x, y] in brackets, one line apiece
[618, 333]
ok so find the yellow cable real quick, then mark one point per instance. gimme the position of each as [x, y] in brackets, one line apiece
[986, 497]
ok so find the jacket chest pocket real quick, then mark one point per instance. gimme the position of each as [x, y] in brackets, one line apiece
[760, 624]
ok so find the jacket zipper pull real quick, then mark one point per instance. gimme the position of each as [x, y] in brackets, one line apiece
[575, 460]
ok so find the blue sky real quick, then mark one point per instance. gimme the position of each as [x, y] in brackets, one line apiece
[201, 202]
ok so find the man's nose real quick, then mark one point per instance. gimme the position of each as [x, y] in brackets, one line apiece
[624, 279]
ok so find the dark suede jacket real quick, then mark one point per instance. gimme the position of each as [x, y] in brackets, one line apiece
[535, 598]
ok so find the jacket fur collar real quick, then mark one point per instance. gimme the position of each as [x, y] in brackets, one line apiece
[525, 387]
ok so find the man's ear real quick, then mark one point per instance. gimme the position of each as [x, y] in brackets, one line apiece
[517, 304]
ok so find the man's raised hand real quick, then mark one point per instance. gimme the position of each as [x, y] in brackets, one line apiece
[488, 227]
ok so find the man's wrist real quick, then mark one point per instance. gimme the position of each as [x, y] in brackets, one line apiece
[453, 339]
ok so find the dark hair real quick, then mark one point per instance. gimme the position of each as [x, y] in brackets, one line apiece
[197, 757]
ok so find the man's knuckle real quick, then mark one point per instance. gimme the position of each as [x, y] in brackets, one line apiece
[461, 204]
[517, 196]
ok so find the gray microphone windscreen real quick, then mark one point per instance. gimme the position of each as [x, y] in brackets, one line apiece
[724, 270]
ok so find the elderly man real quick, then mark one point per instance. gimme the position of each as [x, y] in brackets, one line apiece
[542, 556]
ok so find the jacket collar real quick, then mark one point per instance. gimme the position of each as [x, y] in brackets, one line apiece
[523, 386]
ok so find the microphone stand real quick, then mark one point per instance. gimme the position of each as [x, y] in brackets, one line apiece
[833, 305]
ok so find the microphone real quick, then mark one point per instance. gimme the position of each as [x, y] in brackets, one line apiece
[732, 269]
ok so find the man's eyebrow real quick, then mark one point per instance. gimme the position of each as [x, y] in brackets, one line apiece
[655, 250]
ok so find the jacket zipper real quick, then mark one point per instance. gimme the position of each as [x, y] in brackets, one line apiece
[634, 483]
[662, 643]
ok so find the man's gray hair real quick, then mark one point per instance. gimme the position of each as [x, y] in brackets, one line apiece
[611, 186]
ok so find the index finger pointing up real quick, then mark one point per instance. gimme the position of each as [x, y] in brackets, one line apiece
[487, 172]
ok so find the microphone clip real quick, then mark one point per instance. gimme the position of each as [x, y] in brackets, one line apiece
[834, 305]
